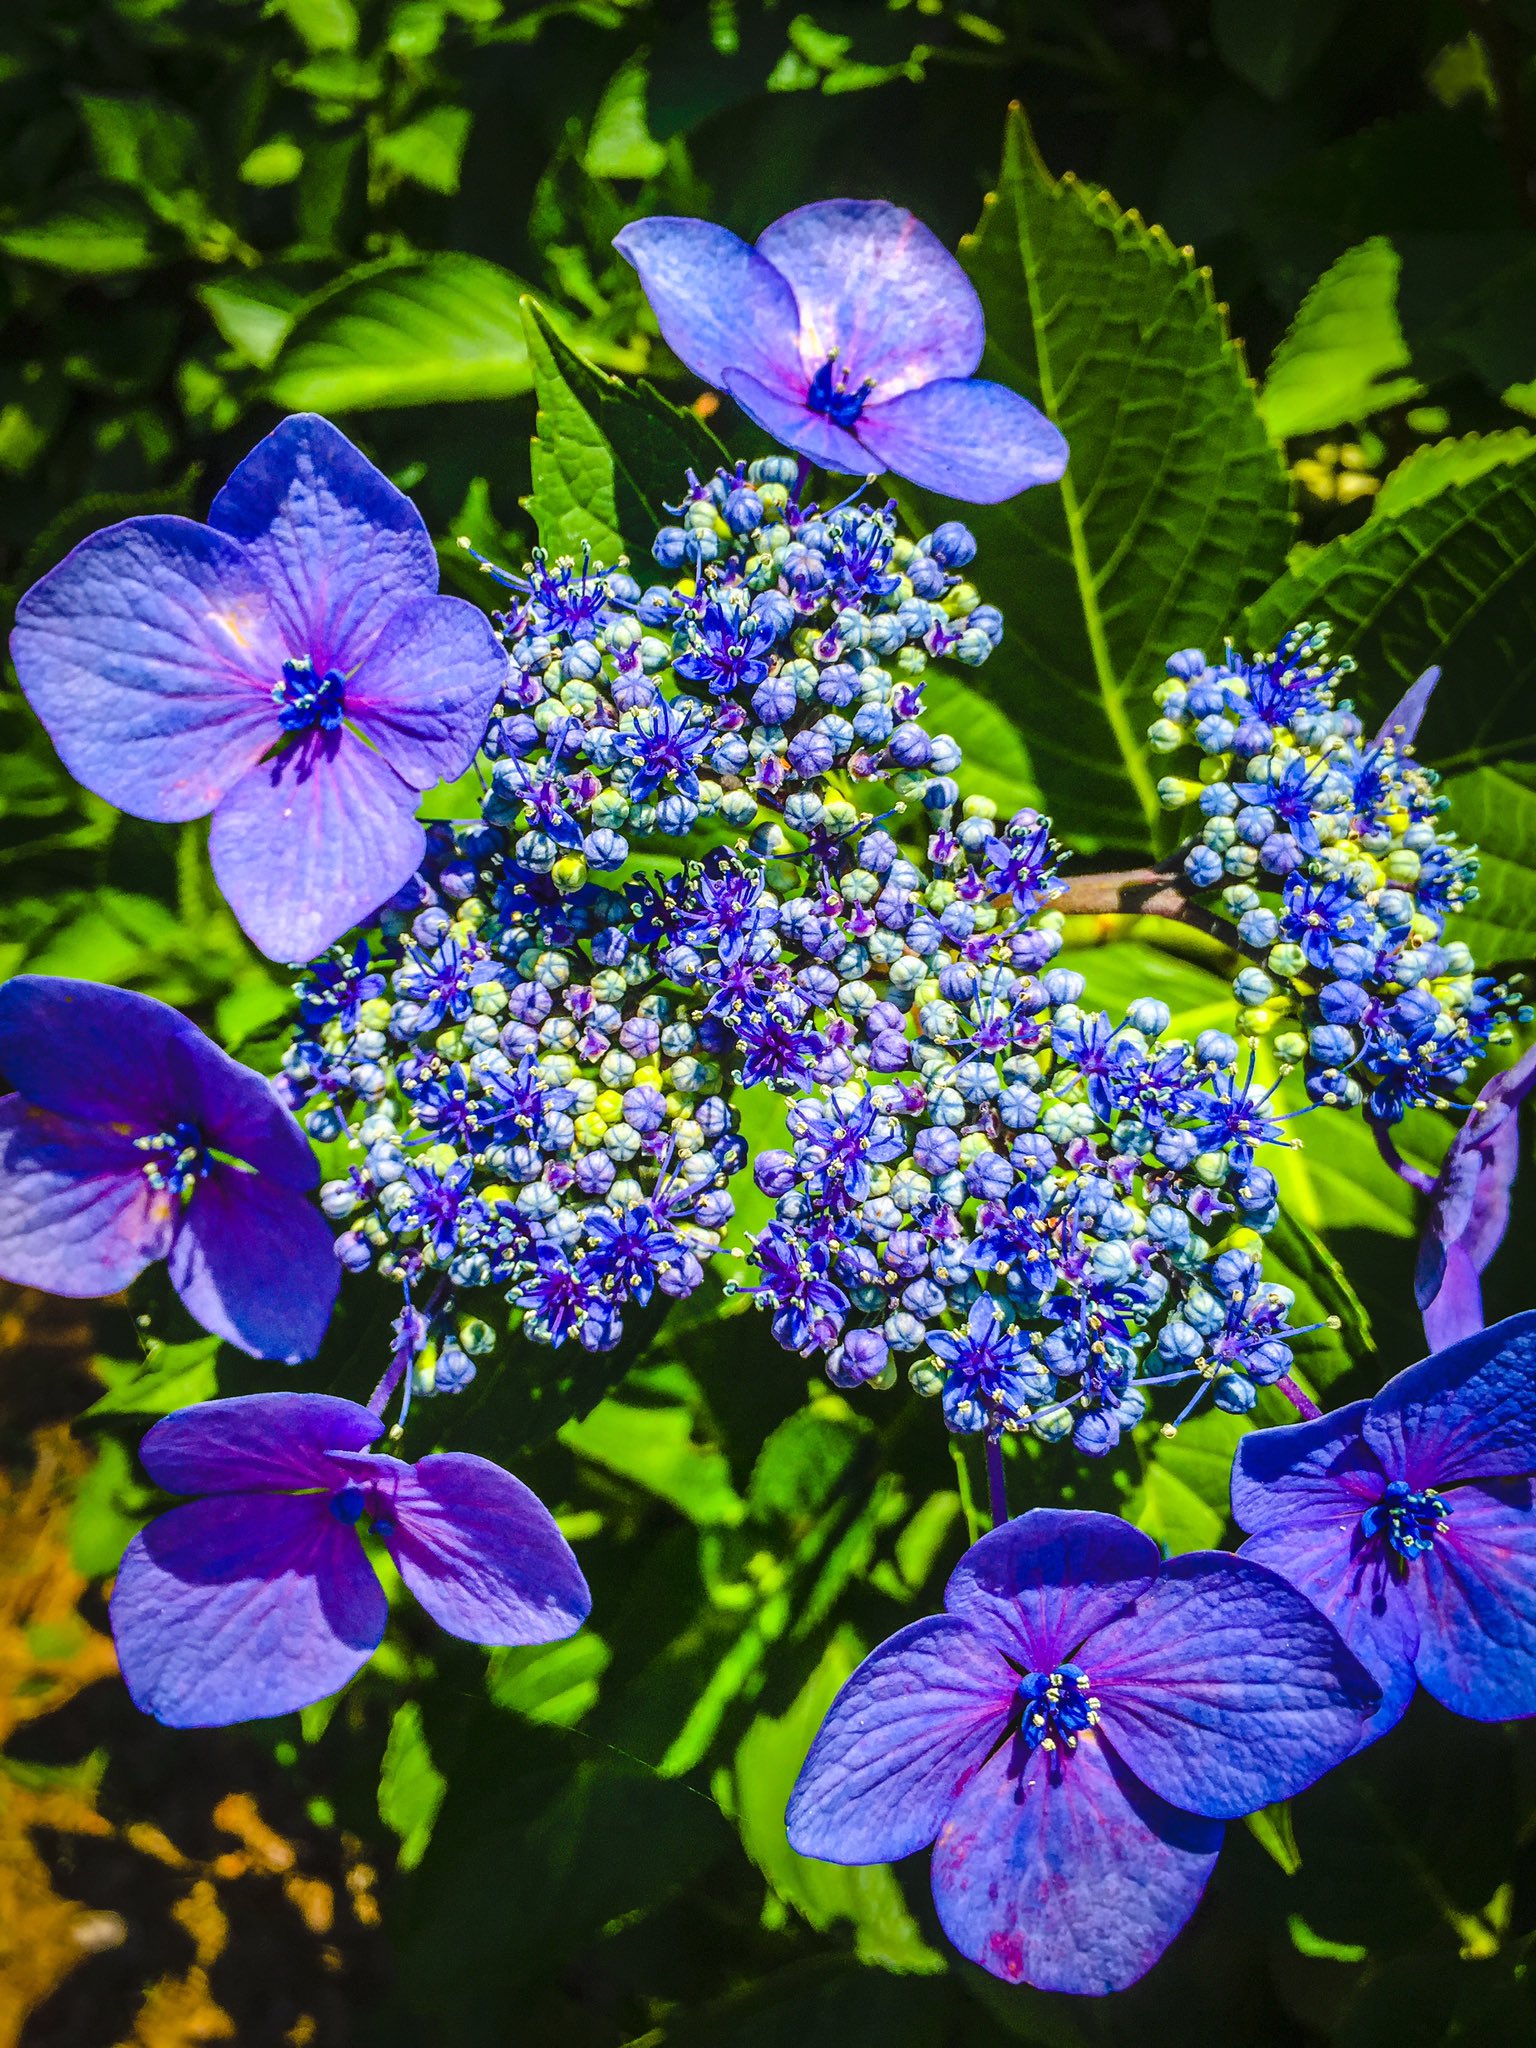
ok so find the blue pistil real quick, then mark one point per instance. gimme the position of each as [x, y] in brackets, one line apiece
[348, 1505]
[830, 394]
[1407, 1522]
[1057, 1706]
[307, 703]
[178, 1159]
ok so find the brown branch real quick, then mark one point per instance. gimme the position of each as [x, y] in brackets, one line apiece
[1140, 892]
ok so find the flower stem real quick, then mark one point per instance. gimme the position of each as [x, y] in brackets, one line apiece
[1303, 1403]
[997, 1481]
[1139, 892]
[1421, 1182]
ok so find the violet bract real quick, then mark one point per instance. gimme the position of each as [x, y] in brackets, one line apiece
[289, 667]
[1071, 1736]
[259, 1598]
[1408, 1521]
[852, 336]
[131, 1138]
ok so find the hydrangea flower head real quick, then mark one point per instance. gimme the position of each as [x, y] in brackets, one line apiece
[258, 1597]
[1071, 1735]
[852, 336]
[131, 1137]
[1408, 1520]
[289, 667]
[1469, 1207]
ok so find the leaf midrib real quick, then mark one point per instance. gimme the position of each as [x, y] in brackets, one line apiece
[1110, 686]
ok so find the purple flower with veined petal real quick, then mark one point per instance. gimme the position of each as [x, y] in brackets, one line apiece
[131, 1137]
[258, 1598]
[1408, 1520]
[851, 334]
[1071, 1735]
[1469, 1207]
[289, 667]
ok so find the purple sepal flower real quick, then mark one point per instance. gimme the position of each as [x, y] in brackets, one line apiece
[258, 1598]
[1402, 722]
[1469, 1207]
[1071, 1735]
[851, 334]
[1408, 1521]
[289, 667]
[131, 1137]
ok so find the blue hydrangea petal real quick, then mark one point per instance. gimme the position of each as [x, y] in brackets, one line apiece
[308, 845]
[964, 436]
[104, 1055]
[238, 1112]
[878, 289]
[789, 420]
[243, 1606]
[1469, 1412]
[256, 1263]
[77, 1216]
[1042, 1582]
[1306, 1475]
[150, 654]
[253, 1441]
[1402, 722]
[1469, 1207]
[900, 1743]
[424, 695]
[1225, 1689]
[1348, 1582]
[338, 547]
[1065, 1873]
[1474, 1594]
[481, 1552]
[1455, 1309]
[719, 304]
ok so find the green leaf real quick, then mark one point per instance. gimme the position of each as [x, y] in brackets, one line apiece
[1185, 1495]
[646, 1432]
[109, 1510]
[411, 1787]
[1271, 1827]
[169, 1376]
[1173, 501]
[1495, 810]
[768, 1760]
[799, 1467]
[141, 142]
[323, 24]
[1344, 355]
[435, 329]
[553, 1683]
[429, 149]
[253, 314]
[96, 232]
[1298, 1258]
[1450, 578]
[996, 762]
[1273, 48]
[1430, 469]
[620, 144]
[607, 456]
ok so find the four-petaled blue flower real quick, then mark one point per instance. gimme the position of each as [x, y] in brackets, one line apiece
[1408, 1521]
[1070, 1737]
[259, 1598]
[852, 335]
[131, 1137]
[289, 666]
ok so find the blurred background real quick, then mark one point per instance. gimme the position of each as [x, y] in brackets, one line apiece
[216, 211]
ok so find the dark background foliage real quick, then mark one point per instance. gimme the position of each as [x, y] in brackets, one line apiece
[215, 211]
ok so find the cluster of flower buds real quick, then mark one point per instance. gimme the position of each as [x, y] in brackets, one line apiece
[535, 1093]
[1326, 851]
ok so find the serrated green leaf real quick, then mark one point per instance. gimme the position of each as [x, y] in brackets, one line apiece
[439, 328]
[1173, 503]
[767, 1762]
[1430, 469]
[607, 456]
[411, 1787]
[1495, 810]
[1344, 356]
[1449, 578]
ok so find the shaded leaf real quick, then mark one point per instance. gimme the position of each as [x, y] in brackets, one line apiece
[411, 1787]
[646, 1433]
[1494, 809]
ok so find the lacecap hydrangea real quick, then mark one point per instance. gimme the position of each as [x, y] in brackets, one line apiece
[1328, 852]
[536, 1104]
